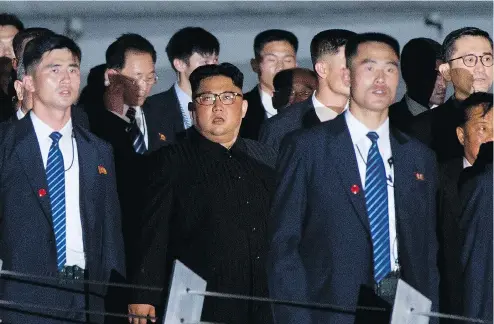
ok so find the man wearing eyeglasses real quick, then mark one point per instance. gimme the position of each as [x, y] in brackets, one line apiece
[467, 54]
[208, 206]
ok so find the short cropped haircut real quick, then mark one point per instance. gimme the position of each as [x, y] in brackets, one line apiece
[11, 20]
[449, 42]
[328, 42]
[37, 47]
[273, 35]
[21, 38]
[189, 40]
[351, 47]
[476, 99]
[225, 69]
[127, 43]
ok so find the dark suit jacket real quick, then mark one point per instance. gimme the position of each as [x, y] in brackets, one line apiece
[437, 129]
[170, 106]
[449, 209]
[27, 242]
[476, 225]
[400, 116]
[255, 116]
[208, 207]
[321, 249]
[297, 116]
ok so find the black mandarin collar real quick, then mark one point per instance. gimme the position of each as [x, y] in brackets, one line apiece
[214, 148]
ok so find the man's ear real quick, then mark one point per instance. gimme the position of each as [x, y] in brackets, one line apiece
[346, 77]
[460, 133]
[255, 66]
[108, 73]
[245, 105]
[320, 69]
[179, 65]
[19, 89]
[445, 70]
[15, 63]
[28, 83]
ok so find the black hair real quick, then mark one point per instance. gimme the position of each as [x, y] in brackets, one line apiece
[37, 47]
[226, 69]
[11, 20]
[189, 40]
[476, 99]
[449, 42]
[351, 47]
[18, 42]
[328, 42]
[273, 35]
[135, 43]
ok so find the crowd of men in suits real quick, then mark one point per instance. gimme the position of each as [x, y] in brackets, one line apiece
[313, 187]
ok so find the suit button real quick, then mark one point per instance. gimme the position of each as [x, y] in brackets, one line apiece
[247, 202]
[258, 257]
[254, 229]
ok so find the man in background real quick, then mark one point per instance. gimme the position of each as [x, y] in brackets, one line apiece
[293, 86]
[10, 25]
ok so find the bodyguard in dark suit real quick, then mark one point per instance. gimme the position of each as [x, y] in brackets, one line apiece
[330, 98]
[468, 65]
[208, 205]
[274, 50]
[189, 48]
[345, 218]
[426, 87]
[476, 252]
[59, 212]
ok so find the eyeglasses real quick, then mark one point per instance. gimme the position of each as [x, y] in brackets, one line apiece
[208, 99]
[149, 80]
[471, 60]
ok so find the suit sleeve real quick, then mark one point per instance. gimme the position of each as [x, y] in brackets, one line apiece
[113, 242]
[286, 272]
[154, 237]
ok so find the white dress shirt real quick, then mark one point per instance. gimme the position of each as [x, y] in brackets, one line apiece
[184, 99]
[140, 120]
[20, 114]
[361, 145]
[324, 113]
[466, 164]
[68, 146]
[267, 103]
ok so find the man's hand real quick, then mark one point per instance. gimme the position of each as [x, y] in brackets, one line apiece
[142, 310]
[121, 90]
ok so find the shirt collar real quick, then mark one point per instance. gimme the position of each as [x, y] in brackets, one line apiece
[183, 97]
[212, 147]
[43, 131]
[466, 164]
[267, 103]
[358, 130]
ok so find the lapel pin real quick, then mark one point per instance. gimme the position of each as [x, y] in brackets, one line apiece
[419, 176]
[42, 192]
[101, 169]
[355, 189]
[162, 137]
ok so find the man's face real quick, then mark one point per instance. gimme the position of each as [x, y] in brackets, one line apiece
[303, 85]
[439, 92]
[335, 65]
[55, 81]
[140, 68]
[374, 77]
[476, 131]
[197, 60]
[219, 120]
[275, 57]
[467, 80]
[7, 34]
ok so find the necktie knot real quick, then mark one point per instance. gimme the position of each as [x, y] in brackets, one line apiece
[373, 137]
[55, 137]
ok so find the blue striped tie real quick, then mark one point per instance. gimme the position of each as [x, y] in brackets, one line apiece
[135, 133]
[376, 199]
[55, 176]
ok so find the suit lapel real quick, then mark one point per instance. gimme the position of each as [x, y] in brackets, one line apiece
[29, 153]
[346, 162]
[88, 168]
[310, 118]
[403, 169]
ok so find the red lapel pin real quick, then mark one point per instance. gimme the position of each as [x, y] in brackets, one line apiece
[419, 176]
[42, 192]
[355, 189]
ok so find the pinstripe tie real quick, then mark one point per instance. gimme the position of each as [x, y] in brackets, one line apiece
[135, 133]
[55, 176]
[376, 199]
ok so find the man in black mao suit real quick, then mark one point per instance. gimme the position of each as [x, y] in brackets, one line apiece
[345, 218]
[208, 205]
[59, 208]
[330, 98]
